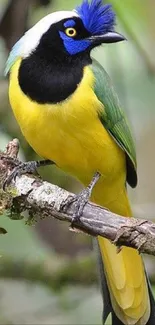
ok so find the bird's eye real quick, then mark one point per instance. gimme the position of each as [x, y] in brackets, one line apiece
[71, 32]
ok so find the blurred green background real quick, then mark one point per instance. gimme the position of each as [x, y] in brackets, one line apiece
[48, 275]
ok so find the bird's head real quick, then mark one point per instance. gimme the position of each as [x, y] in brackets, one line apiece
[69, 32]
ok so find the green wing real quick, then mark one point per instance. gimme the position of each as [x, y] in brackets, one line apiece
[114, 120]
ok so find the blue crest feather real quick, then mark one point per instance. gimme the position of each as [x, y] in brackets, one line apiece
[97, 17]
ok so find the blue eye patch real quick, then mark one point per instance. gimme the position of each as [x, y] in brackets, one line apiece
[69, 23]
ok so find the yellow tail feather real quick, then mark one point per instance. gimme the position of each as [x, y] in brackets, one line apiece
[126, 282]
[125, 275]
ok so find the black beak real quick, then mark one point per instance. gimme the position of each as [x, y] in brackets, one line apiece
[110, 37]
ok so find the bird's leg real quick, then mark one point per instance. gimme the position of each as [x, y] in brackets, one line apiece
[22, 168]
[81, 199]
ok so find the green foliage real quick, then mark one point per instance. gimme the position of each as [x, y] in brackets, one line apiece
[137, 20]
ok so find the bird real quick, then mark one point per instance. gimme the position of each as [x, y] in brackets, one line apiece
[69, 112]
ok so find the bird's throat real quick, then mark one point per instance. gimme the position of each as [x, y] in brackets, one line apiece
[48, 80]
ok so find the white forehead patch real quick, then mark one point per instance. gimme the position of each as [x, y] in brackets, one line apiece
[31, 39]
[33, 35]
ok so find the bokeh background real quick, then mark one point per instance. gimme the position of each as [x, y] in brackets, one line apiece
[48, 275]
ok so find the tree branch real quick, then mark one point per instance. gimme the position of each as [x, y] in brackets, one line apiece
[11, 28]
[42, 200]
[79, 271]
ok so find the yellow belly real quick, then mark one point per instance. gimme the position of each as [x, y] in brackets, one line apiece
[69, 133]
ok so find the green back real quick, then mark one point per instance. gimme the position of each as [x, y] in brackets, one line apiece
[114, 120]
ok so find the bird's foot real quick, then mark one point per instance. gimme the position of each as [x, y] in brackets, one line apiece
[22, 168]
[80, 200]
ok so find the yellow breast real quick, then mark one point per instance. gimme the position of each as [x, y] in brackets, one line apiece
[69, 133]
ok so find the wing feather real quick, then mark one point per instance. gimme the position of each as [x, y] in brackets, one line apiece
[114, 120]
